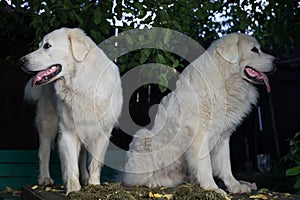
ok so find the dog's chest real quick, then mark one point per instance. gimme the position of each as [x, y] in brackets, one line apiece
[239, 104]
[74, 106]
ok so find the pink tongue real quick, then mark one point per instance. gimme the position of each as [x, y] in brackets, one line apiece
[266, 81]
[39, 76]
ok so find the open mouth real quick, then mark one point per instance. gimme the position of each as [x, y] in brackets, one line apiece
[257, 77]
[44, 76]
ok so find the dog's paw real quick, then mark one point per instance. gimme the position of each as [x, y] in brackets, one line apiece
[73, 186]
[239, 189]
[216, 189]
[84, 180]
[94, 180]
[45, 181]
[252, 186]
[220, 191]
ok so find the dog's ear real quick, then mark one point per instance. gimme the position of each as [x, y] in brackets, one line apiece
[80, 44]
[228, 47]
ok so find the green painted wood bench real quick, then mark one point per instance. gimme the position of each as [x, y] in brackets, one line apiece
[20, 167]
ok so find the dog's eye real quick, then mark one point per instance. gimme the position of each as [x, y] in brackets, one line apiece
[47, 46]
[255, 50]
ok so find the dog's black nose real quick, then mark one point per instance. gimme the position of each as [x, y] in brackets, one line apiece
[22, 61]
[276, 62]
[275, 65]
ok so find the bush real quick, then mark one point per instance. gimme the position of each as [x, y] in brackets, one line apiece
[294, 157]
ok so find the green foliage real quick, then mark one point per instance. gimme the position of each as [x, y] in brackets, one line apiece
[276, 24]
[202, 20]
[14, 21]
[293, 171]
[38, 18]
[294, 157]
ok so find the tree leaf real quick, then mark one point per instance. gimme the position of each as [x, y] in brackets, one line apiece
[163, 82]
[160, 59]
[167, 36]
[97, 16]
[176, 63]
[78, 18]
[293, 171]
[129, 39]
[145, 53]
[138, 5]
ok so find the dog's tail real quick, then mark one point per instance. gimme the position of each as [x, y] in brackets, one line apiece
[32, 94]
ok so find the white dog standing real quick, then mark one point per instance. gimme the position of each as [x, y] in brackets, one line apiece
[81, 96]
[190, 137]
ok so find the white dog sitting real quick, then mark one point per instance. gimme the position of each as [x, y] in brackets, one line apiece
[190, 137]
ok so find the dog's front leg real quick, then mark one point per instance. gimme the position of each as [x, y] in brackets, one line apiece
[97, 151]
[69, 147]
[220, 155]
[198, 158]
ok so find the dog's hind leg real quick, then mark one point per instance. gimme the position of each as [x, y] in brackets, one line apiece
[47, 125]
[84, 174]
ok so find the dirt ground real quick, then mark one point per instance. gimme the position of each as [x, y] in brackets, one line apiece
[116, 191]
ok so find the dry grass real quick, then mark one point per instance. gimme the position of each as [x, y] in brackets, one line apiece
[116, 191]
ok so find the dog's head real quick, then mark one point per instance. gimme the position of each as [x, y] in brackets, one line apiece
[244, 53]
[57, 55]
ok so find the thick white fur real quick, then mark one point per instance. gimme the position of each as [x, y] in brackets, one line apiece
[83, 102]
[190, 137]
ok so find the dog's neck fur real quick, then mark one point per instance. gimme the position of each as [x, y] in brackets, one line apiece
[243, 98]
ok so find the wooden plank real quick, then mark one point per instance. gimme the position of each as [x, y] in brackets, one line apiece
[18, 169]
[40, 194]
[18, 182]
[28, 194]
[17, 156]
[13, 156]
